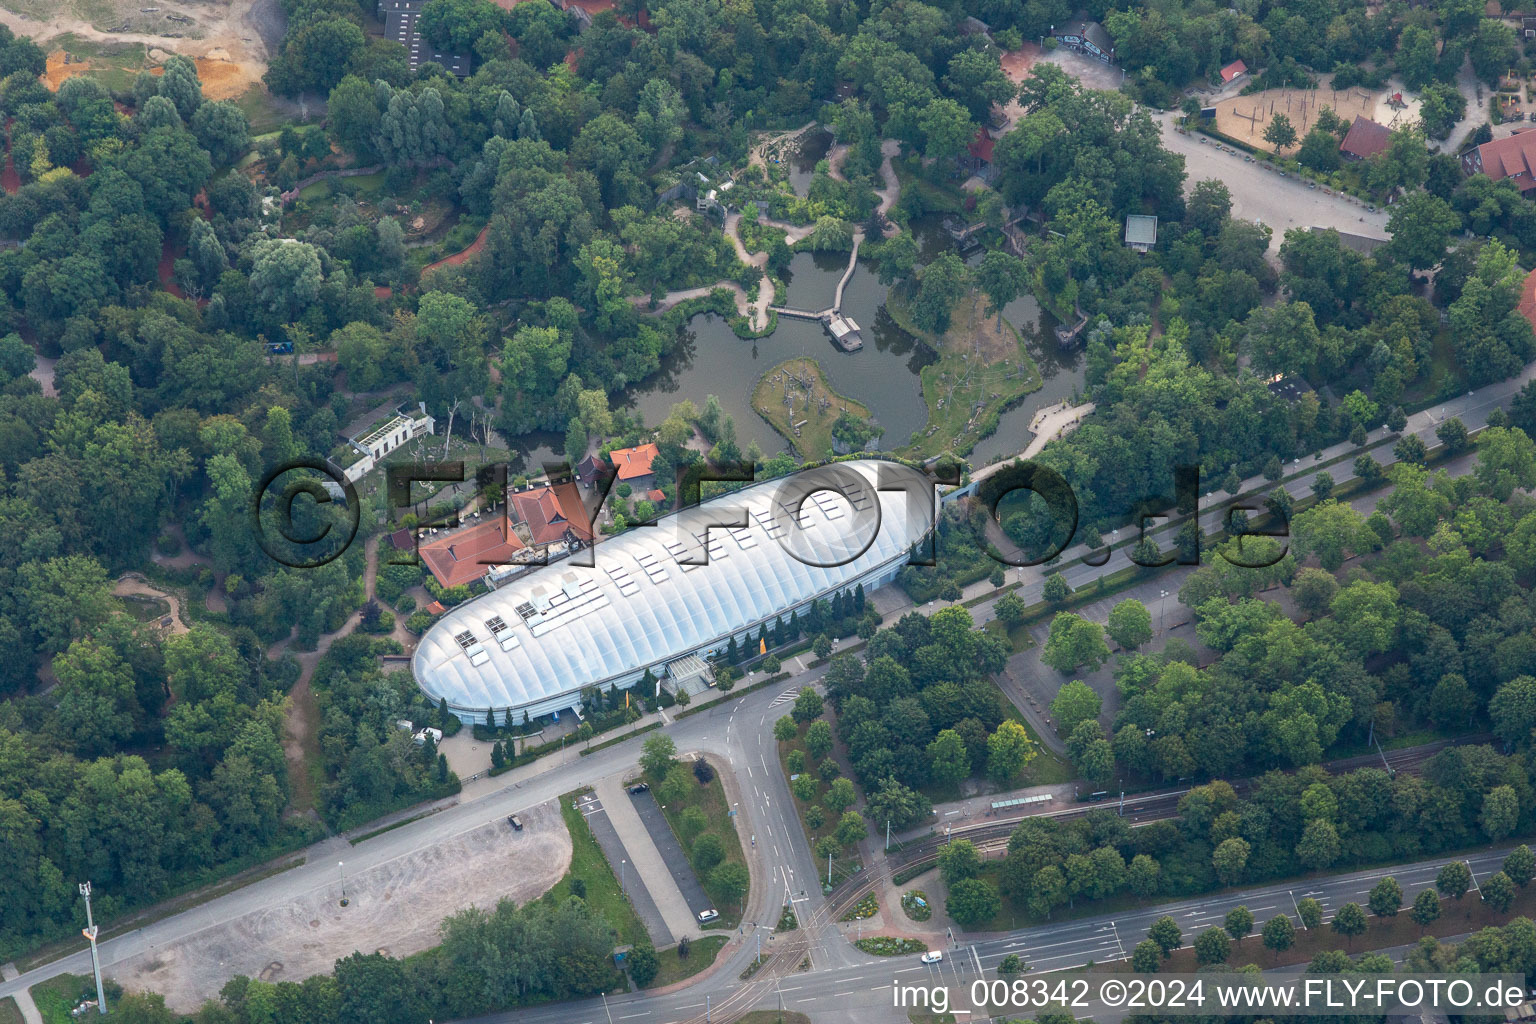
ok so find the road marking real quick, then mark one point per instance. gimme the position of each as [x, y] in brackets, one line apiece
[642, 1013]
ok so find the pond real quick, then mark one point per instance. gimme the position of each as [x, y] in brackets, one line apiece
[145, 608]
[883, 375]
[802, 166]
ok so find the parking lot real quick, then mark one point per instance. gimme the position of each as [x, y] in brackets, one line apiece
[623, 863]
[1262, 193]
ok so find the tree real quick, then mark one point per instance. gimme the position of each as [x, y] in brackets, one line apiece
[1453, 434]
[1009, 749]
[948, 759]
[1146, 957]
[1493, 50]
[1280, 133]
[1130, 624]
[1074, 703]
[808, 706]
[1500, 814]
[1212, 946]
[657, 756]
[1278, 934]
[1003, 278]
[1426, 909]
[1498, 892]
[1010, 609]
[1074, 642]
[1386, 898]
[222, 129]
[1208, 207]
[1054, 591]
[729, 881]
[959, 860]
[1319, 844]
[1010, 965]
[456, 25]
[1319, 151]
[707, 852]
[940, 285]
[1454, 879]
[893, 802]
[1310, 911]
[642, 962]
[840, 795]
[1512, 710]
[851, 827]
[1520, 865]
[818, 739]
[1144, 875]
[947, 129]
[285, 276]
[1230, 859]
[784, 729]
[1165, 932]
[1506, 459]
[972, 901]
[1239, 923]
[1421, 227]
[1349, 921]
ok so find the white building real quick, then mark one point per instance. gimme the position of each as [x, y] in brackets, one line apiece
[383, 437]
[533, 644]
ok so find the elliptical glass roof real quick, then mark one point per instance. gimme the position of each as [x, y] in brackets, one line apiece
[538, 640]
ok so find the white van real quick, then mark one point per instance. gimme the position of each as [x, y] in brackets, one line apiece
[933, 956]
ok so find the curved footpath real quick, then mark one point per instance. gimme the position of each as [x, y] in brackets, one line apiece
[757, 310]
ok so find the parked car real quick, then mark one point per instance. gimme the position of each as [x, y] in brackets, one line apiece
[515, 822]
[706, 916]
[639, 787]
[933, 956]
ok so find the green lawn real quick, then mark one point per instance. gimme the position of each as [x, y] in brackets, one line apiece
[712, 801]
[701, 953]
[846, 865]
[57, 996]
[589, 865]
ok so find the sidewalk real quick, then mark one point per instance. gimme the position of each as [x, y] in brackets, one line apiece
[24, 1003]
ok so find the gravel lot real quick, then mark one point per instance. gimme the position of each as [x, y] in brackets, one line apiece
[395, 907]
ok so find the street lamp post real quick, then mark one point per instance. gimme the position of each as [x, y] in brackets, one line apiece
[622, 865]
[341, 867]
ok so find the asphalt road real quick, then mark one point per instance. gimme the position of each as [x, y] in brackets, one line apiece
[864, 987]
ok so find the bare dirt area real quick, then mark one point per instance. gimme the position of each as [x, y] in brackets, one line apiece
[230, 39]
[134, 585]
[396, 906]
[1245, 117]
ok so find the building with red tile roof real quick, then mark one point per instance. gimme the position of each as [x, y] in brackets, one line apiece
[1366, 138]
[548, 517]
[1528, 298]
[467, 554]
[981, 147]
[1513, 157]
[1233, 70]
[634, 464]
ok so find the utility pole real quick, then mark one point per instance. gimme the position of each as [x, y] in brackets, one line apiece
[90, 933]
[887, 835]
[829, 869]
[1122, 799]
[706, 1010]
